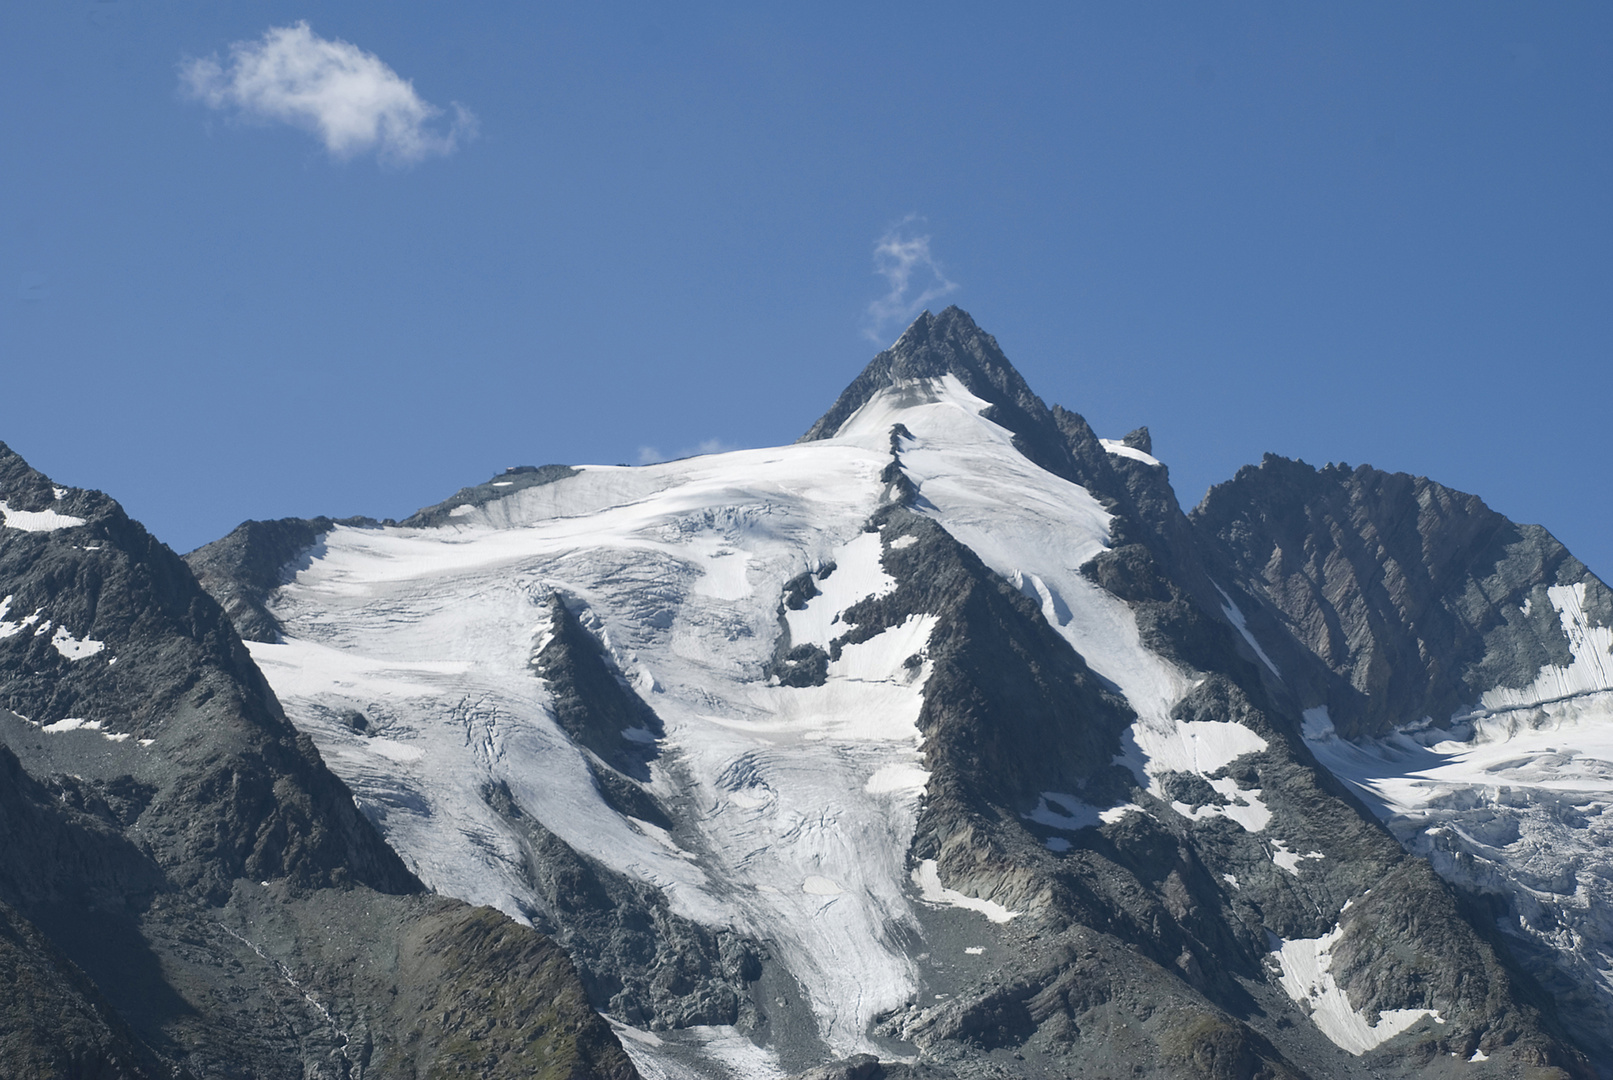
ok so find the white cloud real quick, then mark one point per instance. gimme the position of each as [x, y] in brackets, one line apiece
[352, 100]
[903, 259]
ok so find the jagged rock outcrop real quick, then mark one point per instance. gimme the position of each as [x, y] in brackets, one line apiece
[1419, 597]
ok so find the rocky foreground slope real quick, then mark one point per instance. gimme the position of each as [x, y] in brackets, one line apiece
[945, 738]
[185, 888]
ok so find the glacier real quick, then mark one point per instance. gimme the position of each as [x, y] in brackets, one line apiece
[796, 805]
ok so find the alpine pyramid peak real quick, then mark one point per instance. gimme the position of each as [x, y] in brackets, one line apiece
[932, 347]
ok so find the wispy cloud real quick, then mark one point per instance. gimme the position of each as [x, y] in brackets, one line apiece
[902, 257]
[650, 455]
[351, 99]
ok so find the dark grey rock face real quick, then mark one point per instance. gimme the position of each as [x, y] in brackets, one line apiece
[592, 701]
[184, 885]
[1413, 594]
[1002, 681]
[53, 1020]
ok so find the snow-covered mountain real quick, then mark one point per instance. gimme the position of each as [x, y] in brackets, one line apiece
[944, 735]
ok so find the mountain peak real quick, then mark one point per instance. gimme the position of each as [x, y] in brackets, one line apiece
[933, 346]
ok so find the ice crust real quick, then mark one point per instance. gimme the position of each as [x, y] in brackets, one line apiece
[795, 806]
[1305, 976]
[1514, 798]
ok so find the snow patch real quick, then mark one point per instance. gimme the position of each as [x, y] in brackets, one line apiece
[72, 723]
[928, 878]
[1059, 811]
[1290, 860]
[10, 629]
[1120, 449]
[36, 520]
[74, 648]
[1305, 976]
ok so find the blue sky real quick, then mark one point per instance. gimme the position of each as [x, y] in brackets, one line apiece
[609, 232]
